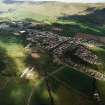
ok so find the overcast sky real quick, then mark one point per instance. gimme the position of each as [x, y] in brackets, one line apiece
[84, 1]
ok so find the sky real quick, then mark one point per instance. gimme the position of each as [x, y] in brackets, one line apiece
[81, 1]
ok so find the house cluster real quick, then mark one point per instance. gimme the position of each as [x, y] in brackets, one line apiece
[49, 41]
[57, 45]
[84, 53]
[67, 49]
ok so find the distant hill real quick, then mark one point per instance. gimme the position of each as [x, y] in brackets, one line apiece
[51, 10]
[13, 1]
[23, 1]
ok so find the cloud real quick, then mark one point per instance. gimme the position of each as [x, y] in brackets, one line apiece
[81, 1]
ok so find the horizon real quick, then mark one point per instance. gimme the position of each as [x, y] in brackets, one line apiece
[67, 1]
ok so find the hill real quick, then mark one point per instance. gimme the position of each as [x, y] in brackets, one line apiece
[46, 10]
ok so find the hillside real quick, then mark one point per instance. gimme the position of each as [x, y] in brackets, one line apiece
[37, 10]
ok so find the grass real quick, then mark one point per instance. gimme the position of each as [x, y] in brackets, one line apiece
[13, 48]
[75, 99]
[101, 87]
[18, 91]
